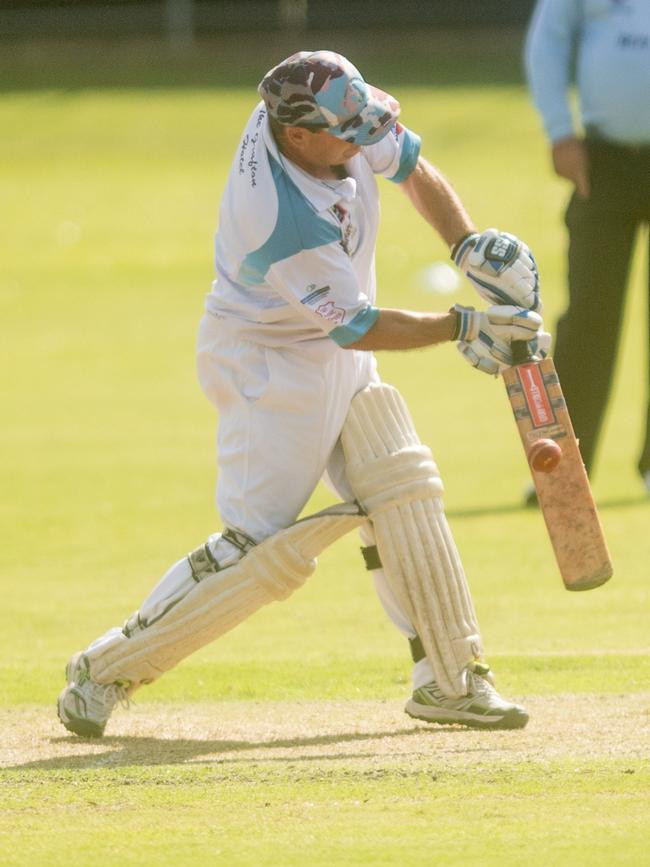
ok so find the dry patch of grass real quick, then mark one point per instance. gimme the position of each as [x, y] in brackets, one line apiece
[375, 733]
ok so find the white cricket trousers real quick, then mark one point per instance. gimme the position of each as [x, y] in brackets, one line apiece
[281, 411]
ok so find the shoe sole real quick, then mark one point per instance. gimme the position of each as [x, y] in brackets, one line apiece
[428, 714]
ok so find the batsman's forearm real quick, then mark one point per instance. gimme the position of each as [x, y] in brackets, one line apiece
[405, 329]
[436, 200]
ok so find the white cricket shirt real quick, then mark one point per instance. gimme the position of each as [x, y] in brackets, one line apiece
[295, 255]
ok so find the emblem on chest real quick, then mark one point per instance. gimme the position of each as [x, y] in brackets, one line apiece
[349, 230]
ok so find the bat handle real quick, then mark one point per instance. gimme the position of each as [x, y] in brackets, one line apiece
[521, 353]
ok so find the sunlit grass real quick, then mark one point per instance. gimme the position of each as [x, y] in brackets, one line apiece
[109, 199]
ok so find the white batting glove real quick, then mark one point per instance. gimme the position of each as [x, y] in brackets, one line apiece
[503, 323]
[500, 267]
[481, 356]
[485, 338]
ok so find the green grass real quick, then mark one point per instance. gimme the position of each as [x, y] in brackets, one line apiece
[110, 175]
[262, 815]
[322, 675]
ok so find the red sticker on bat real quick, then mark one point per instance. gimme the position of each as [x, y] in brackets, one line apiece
[537, 400]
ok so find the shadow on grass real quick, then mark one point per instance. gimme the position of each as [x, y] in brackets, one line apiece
[134, 750]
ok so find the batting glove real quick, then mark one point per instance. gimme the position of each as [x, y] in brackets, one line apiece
[503, 323]
[485, 338]
[500, 267]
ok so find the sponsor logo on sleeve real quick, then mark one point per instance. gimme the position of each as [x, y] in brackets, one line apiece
[313, 293]
[331, 312]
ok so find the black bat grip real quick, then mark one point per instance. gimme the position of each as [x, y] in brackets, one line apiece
[521, 353]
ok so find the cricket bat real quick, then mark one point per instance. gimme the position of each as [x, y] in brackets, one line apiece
[561, 481]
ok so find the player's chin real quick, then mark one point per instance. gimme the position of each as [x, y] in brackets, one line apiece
[349, 152]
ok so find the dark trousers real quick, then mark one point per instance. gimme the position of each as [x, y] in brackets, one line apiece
[602, 231]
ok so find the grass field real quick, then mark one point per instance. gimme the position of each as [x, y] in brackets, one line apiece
[285, 742]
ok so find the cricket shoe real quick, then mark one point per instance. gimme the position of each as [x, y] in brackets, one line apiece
[481, 708]
[84, 707]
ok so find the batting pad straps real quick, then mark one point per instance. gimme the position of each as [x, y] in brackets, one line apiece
[396, 480]
[205, 609]
[417, 649]
[202, 561]
[371, 557]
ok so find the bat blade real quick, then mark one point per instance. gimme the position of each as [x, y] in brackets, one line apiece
[564, 494]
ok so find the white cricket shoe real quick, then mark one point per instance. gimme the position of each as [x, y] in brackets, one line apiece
[84, 707]
[482, 707]
[646, 480]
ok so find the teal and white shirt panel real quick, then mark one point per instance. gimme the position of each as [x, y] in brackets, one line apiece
[608, 43]
[295, 254]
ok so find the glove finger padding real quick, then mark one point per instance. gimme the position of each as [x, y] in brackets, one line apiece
[480, 357]
[500, 322]
[500, 267]
[512, 323]
[494, 356]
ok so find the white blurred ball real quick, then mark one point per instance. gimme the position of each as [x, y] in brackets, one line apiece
[439, 277]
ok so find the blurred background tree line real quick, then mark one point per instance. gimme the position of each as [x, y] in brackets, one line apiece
[182, 21]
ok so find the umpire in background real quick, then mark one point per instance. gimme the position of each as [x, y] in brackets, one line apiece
[605, 46]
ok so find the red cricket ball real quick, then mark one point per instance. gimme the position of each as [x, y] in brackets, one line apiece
[544, 456]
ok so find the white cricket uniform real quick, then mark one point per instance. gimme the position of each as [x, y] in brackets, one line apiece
[295, 262]
[295, 283]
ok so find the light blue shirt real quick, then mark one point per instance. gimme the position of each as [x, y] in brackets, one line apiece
[607, 43]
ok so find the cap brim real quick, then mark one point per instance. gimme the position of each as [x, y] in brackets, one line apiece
[373, 122]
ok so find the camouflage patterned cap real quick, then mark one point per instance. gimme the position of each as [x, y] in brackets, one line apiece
[323, 90]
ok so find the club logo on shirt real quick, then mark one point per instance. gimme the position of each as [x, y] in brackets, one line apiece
[331, 312]
[348, 230]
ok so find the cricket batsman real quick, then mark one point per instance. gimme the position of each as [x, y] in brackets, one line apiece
[286, 354]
